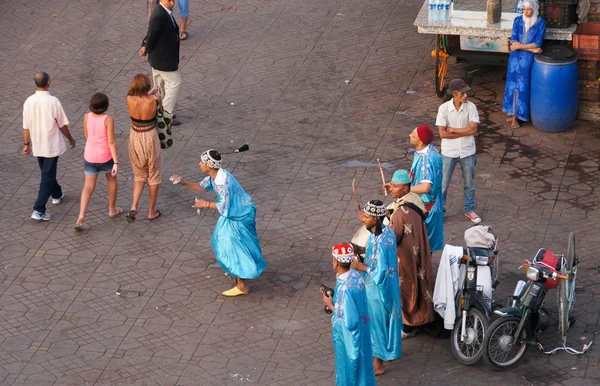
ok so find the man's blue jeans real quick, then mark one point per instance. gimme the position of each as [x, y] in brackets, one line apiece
[49, 187]
[467, 166]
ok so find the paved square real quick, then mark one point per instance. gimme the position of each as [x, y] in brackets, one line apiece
[319, 89]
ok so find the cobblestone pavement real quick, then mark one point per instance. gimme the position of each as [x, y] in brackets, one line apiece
[319, 89]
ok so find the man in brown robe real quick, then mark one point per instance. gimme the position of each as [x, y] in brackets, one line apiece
[414, 256]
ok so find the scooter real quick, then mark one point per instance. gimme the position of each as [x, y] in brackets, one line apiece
[478, 273]
[508, 337]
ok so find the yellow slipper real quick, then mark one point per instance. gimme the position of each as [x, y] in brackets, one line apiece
[235, 291]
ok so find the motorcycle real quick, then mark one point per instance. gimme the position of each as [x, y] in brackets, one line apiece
[478, 272]
[508, 337]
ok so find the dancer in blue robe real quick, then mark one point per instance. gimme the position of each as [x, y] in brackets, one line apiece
[426, 180]
[234, 238]
[525, 41]
[350, 323]
[380, 273]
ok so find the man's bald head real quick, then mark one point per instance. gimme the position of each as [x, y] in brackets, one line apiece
[42, 79]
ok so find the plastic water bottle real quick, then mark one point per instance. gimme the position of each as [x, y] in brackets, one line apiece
[440, 11]
[432, 10]
[519, 7]
[446, 17]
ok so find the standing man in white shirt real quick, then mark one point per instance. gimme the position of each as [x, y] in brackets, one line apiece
[457, 121]
[44, 125]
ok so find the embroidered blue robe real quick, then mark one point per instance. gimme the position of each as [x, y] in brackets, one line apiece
[427, 165]
[350, 332]
[234, 238]
[383, 295]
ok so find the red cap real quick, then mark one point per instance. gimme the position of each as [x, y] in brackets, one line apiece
[425, 134]
[343, 253]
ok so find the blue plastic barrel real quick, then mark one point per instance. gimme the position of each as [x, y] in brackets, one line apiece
[554, 79]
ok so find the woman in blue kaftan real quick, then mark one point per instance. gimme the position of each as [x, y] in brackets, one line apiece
[350, 332]
[427, 166]
[526, 40]
[234, 240]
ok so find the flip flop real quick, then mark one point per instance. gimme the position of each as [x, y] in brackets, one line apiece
[183, 35]
[515, 126]
[235, 291]
[78, 227]
[131, 216]
[119, 212]
[157, 216]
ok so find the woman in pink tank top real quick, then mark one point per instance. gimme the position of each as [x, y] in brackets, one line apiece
[100, 155]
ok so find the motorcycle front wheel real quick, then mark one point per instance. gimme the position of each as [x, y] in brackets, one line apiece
[499, 347]
[469, 349]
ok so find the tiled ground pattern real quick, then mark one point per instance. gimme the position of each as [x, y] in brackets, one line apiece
[320, 89]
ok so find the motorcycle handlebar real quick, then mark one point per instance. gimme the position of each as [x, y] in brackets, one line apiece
[555, 275]
[563, 277]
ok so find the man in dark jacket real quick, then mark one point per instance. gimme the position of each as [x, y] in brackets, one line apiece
[161, 44]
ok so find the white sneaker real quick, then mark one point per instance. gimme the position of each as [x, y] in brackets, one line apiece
[57, 201]
[407, 335]
[40, 216]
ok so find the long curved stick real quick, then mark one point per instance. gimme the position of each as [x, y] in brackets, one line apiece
[355, 195]
[382, 177]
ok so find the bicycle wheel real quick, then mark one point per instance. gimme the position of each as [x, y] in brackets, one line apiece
[469, 350]
[499, 346]
[566, 288]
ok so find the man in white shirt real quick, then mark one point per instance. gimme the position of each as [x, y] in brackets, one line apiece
[44, 125]
[457, 121]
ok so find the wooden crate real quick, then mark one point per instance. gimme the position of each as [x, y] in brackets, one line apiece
[588, 69]
[586, 41]
[589, 90]
[588, 111]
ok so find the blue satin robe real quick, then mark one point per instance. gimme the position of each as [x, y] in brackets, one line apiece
[350, 332]
[518, 77]
[234, 238]
[428, 166]
[383, 295]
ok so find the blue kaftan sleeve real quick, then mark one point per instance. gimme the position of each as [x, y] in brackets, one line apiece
[207, 184]
[426, 170]
[351, 313]
[373, 263]
[540, 31]
[222, 191]
[515, 36]
[388, 267]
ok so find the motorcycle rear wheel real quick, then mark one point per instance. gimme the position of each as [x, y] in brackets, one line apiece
[499, 350]
[566, 288]
[469, 351]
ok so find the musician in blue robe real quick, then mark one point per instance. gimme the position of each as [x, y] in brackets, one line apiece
[525, 41]
[380, 273]
[234, 240]
[350, 322]
[426, 180]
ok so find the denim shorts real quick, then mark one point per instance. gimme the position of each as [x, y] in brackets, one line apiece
[93, 169]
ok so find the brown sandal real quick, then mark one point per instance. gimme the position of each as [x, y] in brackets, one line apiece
[183, 35]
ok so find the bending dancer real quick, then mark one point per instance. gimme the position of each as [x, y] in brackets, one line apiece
[234, 239]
